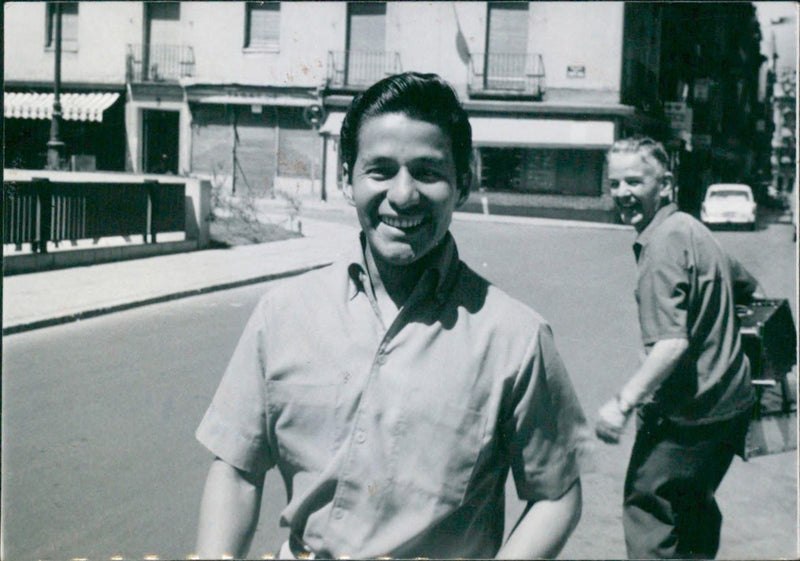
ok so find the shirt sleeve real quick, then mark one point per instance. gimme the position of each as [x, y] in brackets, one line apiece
[663, 289]
[548, 428]
[744, 284]
[234, 426]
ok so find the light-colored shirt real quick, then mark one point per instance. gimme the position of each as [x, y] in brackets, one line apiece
[397, 440]
[686, 285]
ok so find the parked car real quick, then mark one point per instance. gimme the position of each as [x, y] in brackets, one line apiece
[729, 203]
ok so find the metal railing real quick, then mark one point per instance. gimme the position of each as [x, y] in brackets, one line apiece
[159, 62]
[360, 69]
[41, 211]
[506, 75]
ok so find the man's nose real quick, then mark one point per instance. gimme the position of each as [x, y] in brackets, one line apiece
[403, 190]
[622, 189]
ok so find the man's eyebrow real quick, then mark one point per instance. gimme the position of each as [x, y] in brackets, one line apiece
[435, 160]
[378, 159]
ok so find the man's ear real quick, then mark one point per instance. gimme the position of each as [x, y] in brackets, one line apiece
[347, 185]
[667, 186]
[464, 187]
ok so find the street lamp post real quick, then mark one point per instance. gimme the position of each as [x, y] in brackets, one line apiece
[55, 148]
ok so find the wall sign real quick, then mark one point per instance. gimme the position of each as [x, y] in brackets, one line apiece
[576, 71]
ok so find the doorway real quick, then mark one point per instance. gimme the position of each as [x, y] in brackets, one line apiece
[160, 141]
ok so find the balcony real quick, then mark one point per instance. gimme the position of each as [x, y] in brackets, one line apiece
[159, 63]
[357, 70]
[506, 76]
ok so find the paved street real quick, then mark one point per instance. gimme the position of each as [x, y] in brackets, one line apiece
[99, 457]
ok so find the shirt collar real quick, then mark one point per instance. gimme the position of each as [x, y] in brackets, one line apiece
[644, 237]
[444, 271]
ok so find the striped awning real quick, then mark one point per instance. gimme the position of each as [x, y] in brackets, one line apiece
[74, 106]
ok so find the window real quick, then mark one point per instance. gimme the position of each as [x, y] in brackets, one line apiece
[262, 25]
[542, 170]
[69, 25]
[507, 45]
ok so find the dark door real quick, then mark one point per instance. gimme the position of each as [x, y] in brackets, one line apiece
[160, 141]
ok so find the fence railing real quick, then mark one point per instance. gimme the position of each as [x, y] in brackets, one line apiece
[359, 69]
[41, 211]
[506, 75]
[159, 62]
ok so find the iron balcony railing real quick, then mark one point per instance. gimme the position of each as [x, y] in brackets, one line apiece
[518, 75]
[159, 62]
[41, 211]
[360, 69]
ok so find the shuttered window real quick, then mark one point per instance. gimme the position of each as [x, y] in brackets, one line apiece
[69, 25]
[508, 27]
[297, 145]
[263, 25]
[366, 42]
[164, 22]
[507, 45]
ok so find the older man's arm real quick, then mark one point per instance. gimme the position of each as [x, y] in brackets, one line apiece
[657, 366]
[228, 512]
[544, 527]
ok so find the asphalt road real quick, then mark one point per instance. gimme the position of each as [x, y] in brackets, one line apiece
[98, 416]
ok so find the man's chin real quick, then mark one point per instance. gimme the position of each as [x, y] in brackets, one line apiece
[398, 256]
[630, 218]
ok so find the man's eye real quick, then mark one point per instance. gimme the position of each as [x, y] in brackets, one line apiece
[379, 172]
[428, 175]
[615, 184]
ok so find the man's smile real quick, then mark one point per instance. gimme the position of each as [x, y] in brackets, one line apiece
[402, 222]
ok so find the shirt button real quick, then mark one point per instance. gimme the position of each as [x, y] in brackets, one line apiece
[361, 437]
[381, 359]
[338, 513]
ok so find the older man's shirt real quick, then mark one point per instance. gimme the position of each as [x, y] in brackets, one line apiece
[397, 440]
[686, 289]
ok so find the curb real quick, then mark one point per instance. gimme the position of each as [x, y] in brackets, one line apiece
[538, 221]
[86, 314]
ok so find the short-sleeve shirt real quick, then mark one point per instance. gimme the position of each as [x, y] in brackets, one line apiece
[397, 440]
[685, 290]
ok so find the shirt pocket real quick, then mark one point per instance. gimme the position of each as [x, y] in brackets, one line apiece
[303, 420]
[437, 453]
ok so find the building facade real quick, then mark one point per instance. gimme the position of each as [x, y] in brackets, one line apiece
[253, 93]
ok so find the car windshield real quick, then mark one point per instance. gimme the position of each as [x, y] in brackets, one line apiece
[729, 193]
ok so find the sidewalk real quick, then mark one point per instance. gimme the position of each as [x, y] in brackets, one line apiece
[35, 300]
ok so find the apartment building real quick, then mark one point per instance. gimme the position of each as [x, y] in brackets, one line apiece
[254, 93]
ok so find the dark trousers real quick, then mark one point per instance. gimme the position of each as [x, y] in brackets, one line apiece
[669, 509]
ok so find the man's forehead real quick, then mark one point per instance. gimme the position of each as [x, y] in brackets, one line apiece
[632, 163]
[407, 137]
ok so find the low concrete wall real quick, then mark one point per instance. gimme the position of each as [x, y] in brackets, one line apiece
[90, 252]
[33, 262]
[588, 209]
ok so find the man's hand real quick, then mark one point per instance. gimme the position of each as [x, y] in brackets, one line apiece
[611, 422]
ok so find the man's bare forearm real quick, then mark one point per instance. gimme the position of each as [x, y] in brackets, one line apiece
[544, 527]
[657, 366]
[228, 512]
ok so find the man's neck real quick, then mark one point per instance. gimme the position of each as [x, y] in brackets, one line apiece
[393, 284]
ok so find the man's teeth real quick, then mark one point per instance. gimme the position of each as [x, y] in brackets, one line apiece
[397, 222]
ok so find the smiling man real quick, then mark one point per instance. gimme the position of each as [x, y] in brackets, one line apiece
[693, 390]
[396, 389]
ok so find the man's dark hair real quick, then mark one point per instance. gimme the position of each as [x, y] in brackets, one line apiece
[419, 96]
